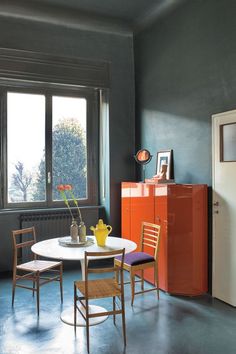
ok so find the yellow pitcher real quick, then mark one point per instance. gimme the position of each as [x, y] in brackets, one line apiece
[101, 232]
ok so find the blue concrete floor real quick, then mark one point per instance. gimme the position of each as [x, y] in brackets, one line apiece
[174, 325]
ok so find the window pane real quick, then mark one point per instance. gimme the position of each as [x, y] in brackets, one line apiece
[69, 150]
[25, 147]
[228, 142]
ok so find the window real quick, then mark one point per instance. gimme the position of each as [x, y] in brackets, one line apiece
[69, 150]
[49, 138]
[228, 142]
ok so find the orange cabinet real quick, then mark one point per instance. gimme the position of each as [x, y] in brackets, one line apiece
[181, 210]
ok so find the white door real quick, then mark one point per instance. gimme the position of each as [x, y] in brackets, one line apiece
[224, 206]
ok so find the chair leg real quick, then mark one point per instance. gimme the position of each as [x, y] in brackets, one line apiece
[142, 280]
[33, 291]
[87, 324]
[156, 280]
[117, 278]
[61, 281]
[37, 291]
[123, 318]
[13, 288]
[132, 281]
[75, 310]
[114, 308]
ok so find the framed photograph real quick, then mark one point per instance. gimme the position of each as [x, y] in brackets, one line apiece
[165, 157]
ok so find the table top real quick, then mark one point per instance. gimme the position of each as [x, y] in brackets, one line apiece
[52, 249]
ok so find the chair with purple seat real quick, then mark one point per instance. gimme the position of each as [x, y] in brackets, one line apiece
[139, 261]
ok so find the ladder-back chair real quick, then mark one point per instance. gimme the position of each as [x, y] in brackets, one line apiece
[88, 289]
[39, 272]
[139, 261]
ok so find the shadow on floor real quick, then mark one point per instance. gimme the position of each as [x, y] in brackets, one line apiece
[173, 325]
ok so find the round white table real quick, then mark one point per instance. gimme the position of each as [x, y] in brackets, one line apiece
[52, 249]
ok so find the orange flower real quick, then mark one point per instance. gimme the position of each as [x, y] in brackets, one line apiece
[61, 187]
[67, 187]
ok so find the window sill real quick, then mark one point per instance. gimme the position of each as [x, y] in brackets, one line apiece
[46, 210]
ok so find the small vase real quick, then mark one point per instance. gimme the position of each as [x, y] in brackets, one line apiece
[74, 231]
[82, 232]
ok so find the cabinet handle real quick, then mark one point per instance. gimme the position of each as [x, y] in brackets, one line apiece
[158, 218]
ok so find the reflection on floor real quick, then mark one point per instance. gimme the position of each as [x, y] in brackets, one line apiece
[174, 325]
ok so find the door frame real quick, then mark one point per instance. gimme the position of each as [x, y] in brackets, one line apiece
[215, 156]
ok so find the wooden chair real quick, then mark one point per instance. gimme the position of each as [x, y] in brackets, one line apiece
[34, 270]
[108, 287]
[139, 261]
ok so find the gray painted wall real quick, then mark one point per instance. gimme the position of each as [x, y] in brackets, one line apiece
[118, 50]
[185, 66]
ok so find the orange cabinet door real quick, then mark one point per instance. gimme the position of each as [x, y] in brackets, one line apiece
[142, 208]
[137, 205]
[161, 218]
[187, 239]
[180, 232]
[125, 210]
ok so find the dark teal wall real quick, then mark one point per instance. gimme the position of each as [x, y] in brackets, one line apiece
[118, 51]
[185, 66]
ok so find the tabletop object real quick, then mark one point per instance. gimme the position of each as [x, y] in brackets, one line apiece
[67, 241]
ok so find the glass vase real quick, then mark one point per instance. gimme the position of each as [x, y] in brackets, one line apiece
[82, 232]
[74, 231]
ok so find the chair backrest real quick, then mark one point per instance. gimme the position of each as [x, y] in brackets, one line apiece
[101, 269]
[150, 237]
[23, 239]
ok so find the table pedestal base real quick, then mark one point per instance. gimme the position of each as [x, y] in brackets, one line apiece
[67, 316]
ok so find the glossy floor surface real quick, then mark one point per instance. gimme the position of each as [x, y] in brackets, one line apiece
[174, 325]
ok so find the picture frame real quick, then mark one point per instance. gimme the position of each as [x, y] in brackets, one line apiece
[165, 156]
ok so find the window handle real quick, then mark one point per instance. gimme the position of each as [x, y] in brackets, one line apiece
[49, 177]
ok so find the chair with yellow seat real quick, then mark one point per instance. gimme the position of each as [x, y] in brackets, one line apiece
[99, 288]
[139, 261]
[39, 272]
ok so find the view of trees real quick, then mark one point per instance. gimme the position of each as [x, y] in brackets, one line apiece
[68, 165]
[21, 180]
[69, 157]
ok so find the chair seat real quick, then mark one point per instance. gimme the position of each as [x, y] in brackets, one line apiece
[37, 265]
[137, 258]
[99, 288]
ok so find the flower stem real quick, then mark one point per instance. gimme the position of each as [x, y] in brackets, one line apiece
[76, 204]
[66, 202]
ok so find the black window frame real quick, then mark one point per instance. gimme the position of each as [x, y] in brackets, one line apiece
[49, 90]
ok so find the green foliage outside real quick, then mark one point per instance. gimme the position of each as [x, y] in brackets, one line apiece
[69, 158]
[68, 163]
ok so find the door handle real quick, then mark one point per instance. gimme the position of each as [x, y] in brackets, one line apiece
[216, 203]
